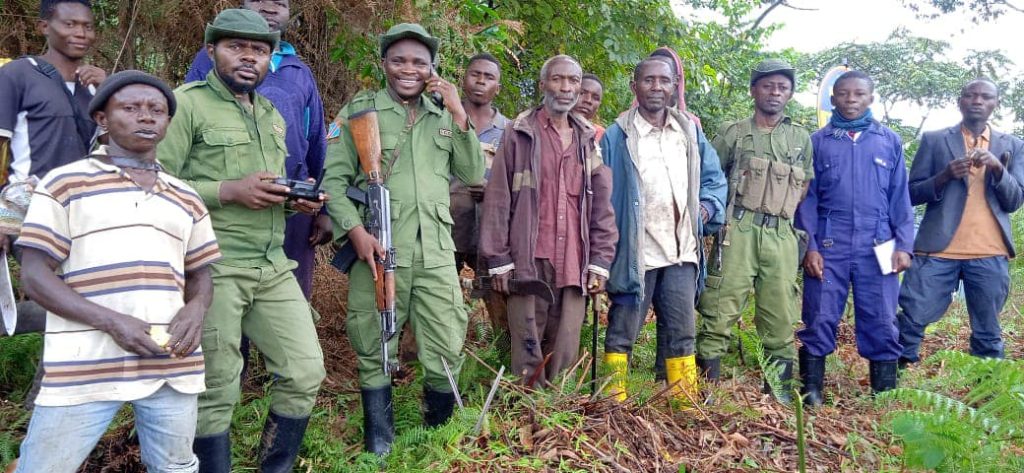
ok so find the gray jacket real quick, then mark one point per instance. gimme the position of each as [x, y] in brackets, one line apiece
[945, 207]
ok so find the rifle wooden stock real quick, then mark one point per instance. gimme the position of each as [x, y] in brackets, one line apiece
[366, 137]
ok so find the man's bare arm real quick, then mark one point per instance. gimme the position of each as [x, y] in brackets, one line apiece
[40, 282]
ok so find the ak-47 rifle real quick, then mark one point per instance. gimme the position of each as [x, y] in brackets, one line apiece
[366, 136]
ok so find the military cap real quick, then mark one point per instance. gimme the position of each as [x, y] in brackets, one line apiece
[411, 31]
[241, 23]
[772, 66]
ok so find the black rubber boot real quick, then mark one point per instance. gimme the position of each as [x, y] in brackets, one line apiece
[378, 420]
[785, 382]
[213, 452]
[279, 445]
[710, 368]
[812, 374]
[883, 375]
[438, 407]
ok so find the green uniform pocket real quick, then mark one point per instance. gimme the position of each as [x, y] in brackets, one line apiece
[794, 193]
[713, 281]
[755, 182]
[222, 164]
[444, 231]
[776, 189]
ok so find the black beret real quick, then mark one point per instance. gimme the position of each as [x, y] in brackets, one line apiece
[123, 79]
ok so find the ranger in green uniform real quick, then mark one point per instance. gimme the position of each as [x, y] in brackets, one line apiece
[227, 142]
[422, 144]
[768, 161]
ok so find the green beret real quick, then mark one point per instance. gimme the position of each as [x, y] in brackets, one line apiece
[241, 23]
[773, 66]
[408, 30]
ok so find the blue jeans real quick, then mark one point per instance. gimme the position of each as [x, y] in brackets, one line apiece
[672, 291]
[60, 438]
[928, 289]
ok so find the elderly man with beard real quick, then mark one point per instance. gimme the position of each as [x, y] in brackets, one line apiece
[547, 216]
[668, 192]
[228, 142]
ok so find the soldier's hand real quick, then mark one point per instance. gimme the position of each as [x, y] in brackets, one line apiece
[255, 191]
[91, 75]
[814, 264]
[595, 283]
[502, 283]
[322, 231]
[310, 207]
[367, 247]
[186, 329]
[450, 97]
[133, 335]
[900, 261]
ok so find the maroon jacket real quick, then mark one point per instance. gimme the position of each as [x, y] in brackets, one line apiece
[508, 227]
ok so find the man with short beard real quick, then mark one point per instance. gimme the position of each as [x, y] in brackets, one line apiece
[547, 216]
[668, 192]
[425, 138]
[290, 86]
[228, 142]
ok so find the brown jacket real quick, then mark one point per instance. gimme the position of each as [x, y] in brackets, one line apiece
[508, 227]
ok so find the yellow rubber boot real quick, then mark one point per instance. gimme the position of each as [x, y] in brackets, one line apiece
[617, 365]
[681, 374]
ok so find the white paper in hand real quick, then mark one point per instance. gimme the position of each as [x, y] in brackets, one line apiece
[7, 304]
[883, 253]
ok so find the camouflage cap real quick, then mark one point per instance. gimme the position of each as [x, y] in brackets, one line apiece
[410, 31]
[241, 23]
[772, 66]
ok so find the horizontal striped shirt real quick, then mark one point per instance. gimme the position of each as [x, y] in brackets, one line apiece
[126, 249]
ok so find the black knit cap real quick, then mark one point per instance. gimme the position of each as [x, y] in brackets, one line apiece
[123, 79]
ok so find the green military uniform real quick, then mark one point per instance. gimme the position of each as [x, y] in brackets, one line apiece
[428, 292]
[214, 138]
[762, 253]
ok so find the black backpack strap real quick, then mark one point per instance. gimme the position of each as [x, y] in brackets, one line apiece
[85, 126]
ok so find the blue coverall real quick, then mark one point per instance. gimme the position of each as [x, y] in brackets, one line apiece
[857, 199]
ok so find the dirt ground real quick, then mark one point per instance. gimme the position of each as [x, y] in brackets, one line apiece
[753, 433]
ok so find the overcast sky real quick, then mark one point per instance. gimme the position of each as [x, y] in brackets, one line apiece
[864, 21]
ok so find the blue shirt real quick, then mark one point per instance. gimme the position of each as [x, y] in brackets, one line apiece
[290, 86]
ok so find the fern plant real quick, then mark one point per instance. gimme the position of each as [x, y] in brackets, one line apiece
[753, 347]
[980, 431]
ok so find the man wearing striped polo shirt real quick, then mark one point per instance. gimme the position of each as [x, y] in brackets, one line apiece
[117, 252]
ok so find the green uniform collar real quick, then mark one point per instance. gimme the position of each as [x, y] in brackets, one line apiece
[221, 90]
[390, 102]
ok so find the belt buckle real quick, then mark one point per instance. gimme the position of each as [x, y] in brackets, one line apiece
[770, 221]
[827, 243]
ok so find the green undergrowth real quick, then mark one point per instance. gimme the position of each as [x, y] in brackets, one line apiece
[970, 421]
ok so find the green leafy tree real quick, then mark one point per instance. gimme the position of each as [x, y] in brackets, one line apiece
[980, 10]
[912, 70]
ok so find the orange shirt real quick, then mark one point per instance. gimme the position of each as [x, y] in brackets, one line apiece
[978, 235]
